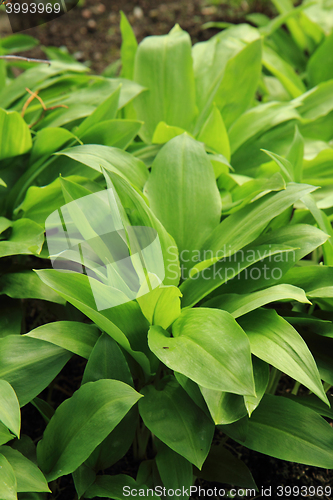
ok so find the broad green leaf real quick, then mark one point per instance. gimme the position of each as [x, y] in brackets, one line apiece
[107, 110]
[311, 401]
[117, 487]
[164, 133]
[240, 81]
[73, 336]
[210, 61]
[319, 67]
[317, 102]
[5, 435]
[28, 476]
[214, 134]
[124, 323]
[287, 430]
[261, 379]
[106, 360]
[26, 238]
[204, 348]
[283, 7]
[324, 224]
[33, 78]
[301, 238]
[128, 47]
[175, 471]
[295, 156]
[161, 306]
[83, 477]
[242, 227]
[275, 341]
[15, 136]
[8, 484]
[258, 120]
[229, 269]
[116, 133]
[29, 365]
[48, 141]
[224, 407]
[181, 181]
[238, 305]
[310, 278]
[40, 202]
[284, 72]
[163, 64]
[27, 285]
[10, 414]
[95, 409]
[112, 159]
[18, 42]
[175, 419]
[222, 466]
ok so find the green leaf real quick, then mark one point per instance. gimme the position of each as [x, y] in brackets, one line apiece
[26, 238]
[48, 141]
[163, 64]
[287, 430]
[128, 47]
[174, 470]
[223, 467]
[15, 136]
[164, 133]
[8, 485]
[112, 159]
[275, 341]
[214, 134]
[295, 155]
[116, 133]
[27, 285]
[205, 349]
[10, 414]
[224, 407]
[18, 43]
[124, 323]
[258, 120]
[242, 227]
[181, 181]
[10, 317]
[175, 419]
[95, 409]
[5, 435]
[107, 110]
[28, 476]
[319, 67]
[106, 360]
[322, 349]
[83, 477]
[284, 72]
[261, 379]
[76, 337]
[238, 305]
[240, 81]
[161, 306]
[29, 365]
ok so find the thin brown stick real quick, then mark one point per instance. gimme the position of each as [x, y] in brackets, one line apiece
[26, 59]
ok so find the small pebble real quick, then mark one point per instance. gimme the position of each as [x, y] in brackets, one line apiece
[91, 25]
[86, 13]
[138, 12]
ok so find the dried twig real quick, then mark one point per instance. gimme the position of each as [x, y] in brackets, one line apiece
[34, 95]
[26, 59]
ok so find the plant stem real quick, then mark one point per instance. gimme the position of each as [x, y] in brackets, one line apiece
[295, 389]
[273, 380]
